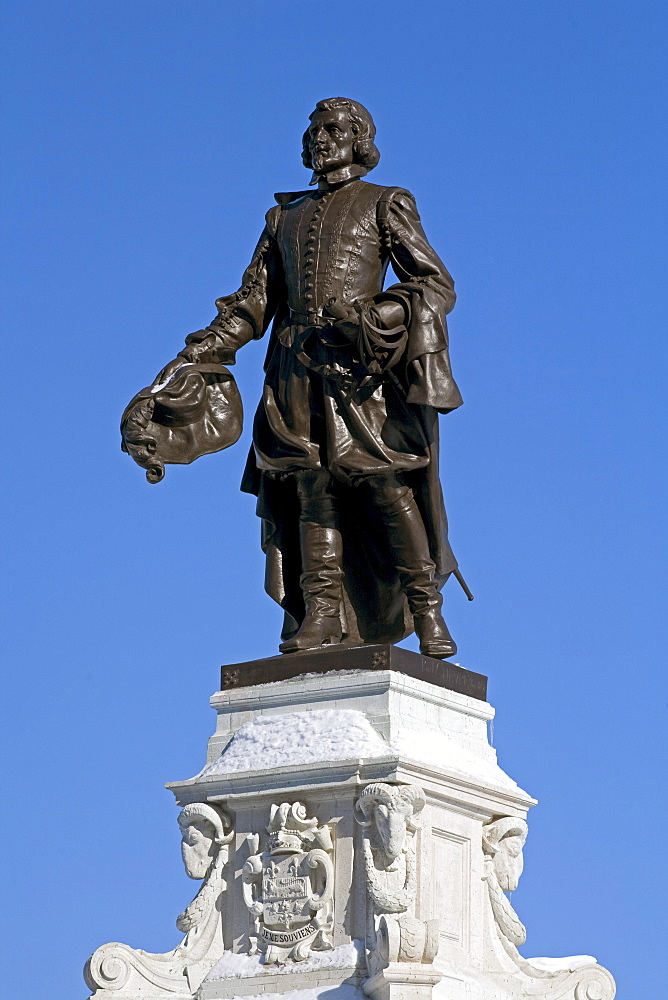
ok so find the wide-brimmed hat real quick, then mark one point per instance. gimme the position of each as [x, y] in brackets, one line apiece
[195, 412]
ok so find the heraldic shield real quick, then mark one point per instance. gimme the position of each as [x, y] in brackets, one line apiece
[289, 887]
[195, 412]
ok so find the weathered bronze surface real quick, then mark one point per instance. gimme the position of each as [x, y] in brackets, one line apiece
[344, 461]
[373, 657]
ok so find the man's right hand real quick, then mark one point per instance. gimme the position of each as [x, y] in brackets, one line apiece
[169, 370]
[198, 342]
[198, 345]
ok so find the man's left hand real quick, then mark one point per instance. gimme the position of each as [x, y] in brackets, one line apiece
[344, 317]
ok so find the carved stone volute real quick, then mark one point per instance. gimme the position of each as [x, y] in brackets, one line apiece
[206, 830]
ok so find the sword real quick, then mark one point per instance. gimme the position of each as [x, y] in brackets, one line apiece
[462, 583]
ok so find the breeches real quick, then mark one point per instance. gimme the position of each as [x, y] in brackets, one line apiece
[317, 493]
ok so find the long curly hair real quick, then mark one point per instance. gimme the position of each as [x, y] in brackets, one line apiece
[364, 148]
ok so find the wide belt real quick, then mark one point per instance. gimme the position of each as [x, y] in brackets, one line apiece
[313, 318]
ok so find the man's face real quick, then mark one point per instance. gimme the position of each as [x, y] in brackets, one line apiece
[330, 141]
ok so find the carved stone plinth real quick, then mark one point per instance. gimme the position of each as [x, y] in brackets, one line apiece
[402, 981]
[354, 833]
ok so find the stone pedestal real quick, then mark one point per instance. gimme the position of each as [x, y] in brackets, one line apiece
[354, 833]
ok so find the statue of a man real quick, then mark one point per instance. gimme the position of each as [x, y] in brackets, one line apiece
[344, 460]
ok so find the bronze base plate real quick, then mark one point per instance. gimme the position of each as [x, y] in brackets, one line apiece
[382, 656]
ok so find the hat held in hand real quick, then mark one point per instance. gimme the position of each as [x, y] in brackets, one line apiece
[196, 411]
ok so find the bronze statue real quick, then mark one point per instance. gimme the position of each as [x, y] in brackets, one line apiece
[344, 461]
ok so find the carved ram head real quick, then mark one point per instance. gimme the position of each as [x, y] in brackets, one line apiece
[394, 810]
[502, 842]
[203, 833]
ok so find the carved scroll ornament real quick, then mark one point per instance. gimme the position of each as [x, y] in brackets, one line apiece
[206, 831]
[502, 844]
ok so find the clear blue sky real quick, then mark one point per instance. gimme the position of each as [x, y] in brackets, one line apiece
[144, 140]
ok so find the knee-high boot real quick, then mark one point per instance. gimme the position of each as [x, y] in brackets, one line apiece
[321, 583]
[321, 552]
[409, 544]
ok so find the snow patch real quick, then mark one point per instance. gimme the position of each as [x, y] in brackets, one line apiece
[437, 748]
[568, 964]
[322, 735]
[325, 735]
[234, 966]
[179, 372]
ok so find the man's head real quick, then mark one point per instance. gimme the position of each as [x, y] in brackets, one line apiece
[341, 133]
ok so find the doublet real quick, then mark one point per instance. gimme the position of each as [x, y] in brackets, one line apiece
[331, 247]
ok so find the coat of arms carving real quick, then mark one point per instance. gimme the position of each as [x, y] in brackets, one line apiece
[289, 887]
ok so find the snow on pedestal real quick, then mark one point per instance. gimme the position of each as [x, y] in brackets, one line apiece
[355, 836]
